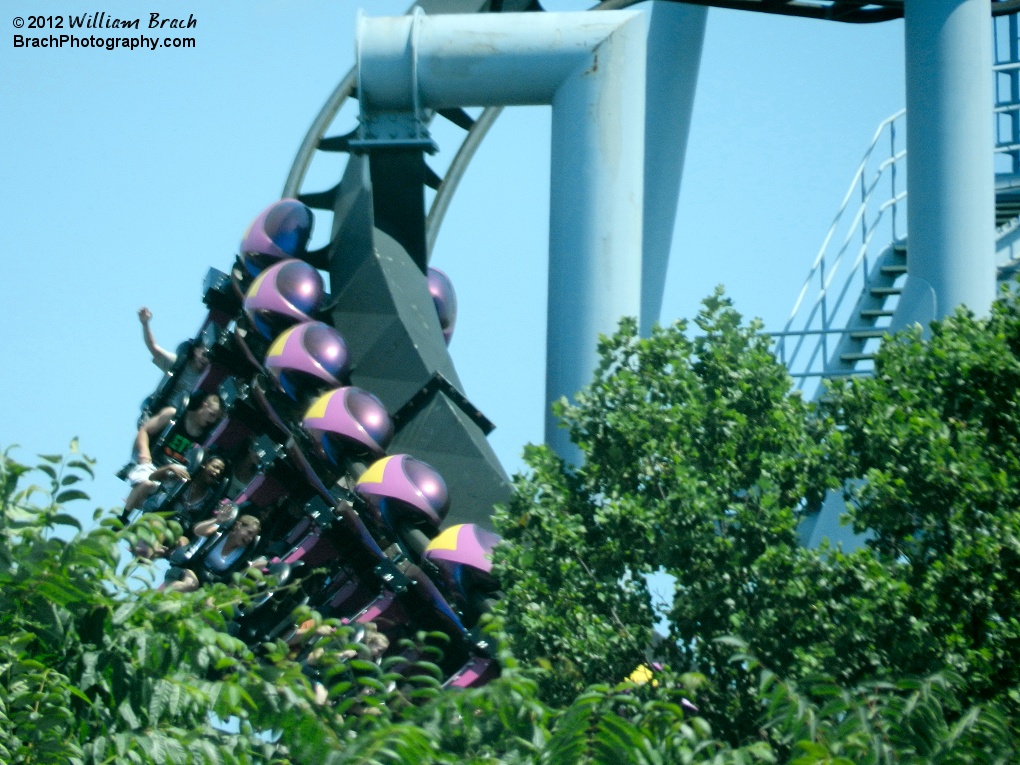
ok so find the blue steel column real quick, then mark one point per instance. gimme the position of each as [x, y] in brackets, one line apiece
[676, 36]
[950, 181]
[618, 270]
[595, 213]
[600, 72]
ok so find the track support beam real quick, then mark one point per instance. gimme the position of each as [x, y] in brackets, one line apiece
[610, 104]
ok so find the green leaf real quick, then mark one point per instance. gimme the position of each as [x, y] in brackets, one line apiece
[127, 714]
[62, 519]
[70, 495]
[85, 467]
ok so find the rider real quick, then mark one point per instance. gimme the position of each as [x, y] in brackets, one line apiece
[216, 561]
[166, 360]
[182, 433]
[189, 499]
[196, 499]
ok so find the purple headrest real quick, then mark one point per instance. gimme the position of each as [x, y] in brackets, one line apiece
[349, 418]
[445, 300]
[283, 295]
[414, 484]
[307, 357]
[280, 231]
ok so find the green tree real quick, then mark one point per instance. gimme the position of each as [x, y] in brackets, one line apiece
[936, 436]
[700, 460]
[93, 670]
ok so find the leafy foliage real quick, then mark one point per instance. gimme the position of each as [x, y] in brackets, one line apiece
[96, 670]
[700, 461]
[936, 436]
[910, 721]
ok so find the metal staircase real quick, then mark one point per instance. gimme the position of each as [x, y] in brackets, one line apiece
[849, 295]
[848, 299]
[874, 310]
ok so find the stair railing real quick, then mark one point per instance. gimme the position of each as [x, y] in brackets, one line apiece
[815, 326]
[872, 211]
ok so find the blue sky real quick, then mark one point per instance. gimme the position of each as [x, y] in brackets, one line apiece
[125, 175]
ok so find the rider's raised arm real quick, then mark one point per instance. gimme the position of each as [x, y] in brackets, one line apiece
[161, 357]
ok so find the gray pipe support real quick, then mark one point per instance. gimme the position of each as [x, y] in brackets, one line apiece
[593, 69]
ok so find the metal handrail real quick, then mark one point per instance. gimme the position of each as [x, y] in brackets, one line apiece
[804, 343]
[826, 267]
[858, 175]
